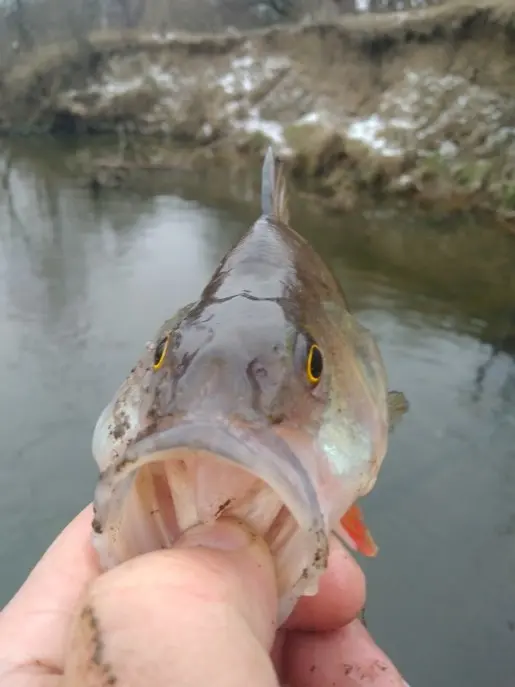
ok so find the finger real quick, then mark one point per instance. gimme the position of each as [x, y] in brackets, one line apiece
[340, 597]
[347, 657]
[186, 616]
[34, 624]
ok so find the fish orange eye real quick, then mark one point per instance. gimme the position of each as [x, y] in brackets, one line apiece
[160, 352]
[314, 364]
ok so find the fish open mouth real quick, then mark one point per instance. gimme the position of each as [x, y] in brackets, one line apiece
[201, 470]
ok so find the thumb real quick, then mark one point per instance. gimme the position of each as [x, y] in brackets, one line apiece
[201, 613]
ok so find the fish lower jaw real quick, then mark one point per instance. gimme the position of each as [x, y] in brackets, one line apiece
[164, 499]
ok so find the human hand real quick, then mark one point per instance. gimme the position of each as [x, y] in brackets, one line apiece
[200, 614]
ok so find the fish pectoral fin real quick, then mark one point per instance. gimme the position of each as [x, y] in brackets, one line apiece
[398, 406]
[354, 525]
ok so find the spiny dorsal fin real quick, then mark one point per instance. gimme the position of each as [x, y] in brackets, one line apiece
[398, 406]
[273, 189]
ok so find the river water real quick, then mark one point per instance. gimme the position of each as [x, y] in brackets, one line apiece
[84, 283]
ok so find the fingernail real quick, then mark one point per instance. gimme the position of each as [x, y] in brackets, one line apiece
[223, 535]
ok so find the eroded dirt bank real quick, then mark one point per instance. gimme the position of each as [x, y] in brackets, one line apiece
[418, 105]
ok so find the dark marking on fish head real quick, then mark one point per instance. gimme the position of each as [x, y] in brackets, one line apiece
[241, 358]
[226, 357]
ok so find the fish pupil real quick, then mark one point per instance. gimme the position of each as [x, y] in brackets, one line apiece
[316, 363]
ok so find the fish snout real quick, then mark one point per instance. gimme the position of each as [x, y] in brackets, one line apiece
[222, 385]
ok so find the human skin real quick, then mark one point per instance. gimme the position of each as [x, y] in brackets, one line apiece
[200, 614]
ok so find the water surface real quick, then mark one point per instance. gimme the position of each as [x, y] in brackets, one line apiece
[85, 281]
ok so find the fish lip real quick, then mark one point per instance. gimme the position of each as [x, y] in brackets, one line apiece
[252, 446]
[255, 448]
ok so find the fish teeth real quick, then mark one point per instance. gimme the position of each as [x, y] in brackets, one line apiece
[259, 509]
[142, 534]
[146, 486]
[182, 488]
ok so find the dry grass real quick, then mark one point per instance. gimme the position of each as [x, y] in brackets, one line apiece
[363, 43]
[451, 19]
[347, 63]
[72, 56]
[439, 22]
[358, 41]
[457, 19]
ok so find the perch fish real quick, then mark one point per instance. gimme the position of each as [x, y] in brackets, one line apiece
[264, 400]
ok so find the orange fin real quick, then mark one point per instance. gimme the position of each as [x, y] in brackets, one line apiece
[354, 525]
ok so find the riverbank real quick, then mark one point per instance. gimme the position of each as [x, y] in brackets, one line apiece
[419, 106]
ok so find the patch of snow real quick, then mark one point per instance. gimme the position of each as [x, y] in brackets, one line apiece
[228, 83]
[400, 123]
[420, 111]
[161, 37]
[405, 180]
[368, 131]
[255, 124]
[485, 102]
[448, 149]
[321, 117]
[276, 64]
[244, 62]
[114, 87]
[207, 129]
[430, 105]
[240, 76]
[310, 118]
[162, 78]
[246, 73]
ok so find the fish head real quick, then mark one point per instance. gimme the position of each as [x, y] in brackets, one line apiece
[201, 429]
[264, 400]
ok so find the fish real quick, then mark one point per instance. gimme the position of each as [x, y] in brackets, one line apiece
[264, 400]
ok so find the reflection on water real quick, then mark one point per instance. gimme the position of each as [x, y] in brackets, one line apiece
[85, 281]
[502, 345]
